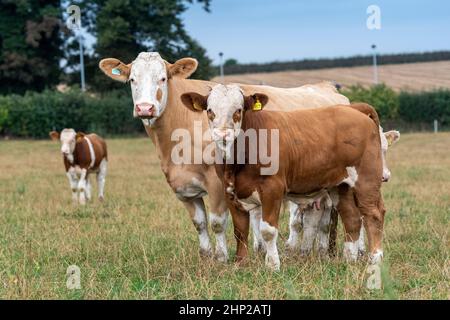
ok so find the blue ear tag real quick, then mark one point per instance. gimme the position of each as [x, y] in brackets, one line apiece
[115, 71]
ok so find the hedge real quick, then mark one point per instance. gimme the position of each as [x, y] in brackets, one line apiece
[35, 114]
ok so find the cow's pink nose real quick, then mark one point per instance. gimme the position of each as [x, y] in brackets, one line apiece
[144, 110]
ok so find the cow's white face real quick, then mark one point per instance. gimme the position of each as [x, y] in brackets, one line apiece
[148, 80]
[68, 138]
[148, 75]
[225, 107]
[387, 139]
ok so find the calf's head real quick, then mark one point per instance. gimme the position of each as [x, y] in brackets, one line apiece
[225, 106]
[68, 138]
[387, 139]
[148, 76]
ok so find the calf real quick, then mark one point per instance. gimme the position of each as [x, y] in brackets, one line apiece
[83, 154]
[320, 149]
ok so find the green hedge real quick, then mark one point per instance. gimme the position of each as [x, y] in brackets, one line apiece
[409, 110]
[35, 114]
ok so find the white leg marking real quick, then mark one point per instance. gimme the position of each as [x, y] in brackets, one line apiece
[361, 242]
[101, 177]
[323, 238]
[88, 189]
[377, 257]
[351, 251]
[255, 221]
[311, 219]
[270, 235]
[295, 226]
[219, 227]
[200, 224]
[82, 186]
[73, 180]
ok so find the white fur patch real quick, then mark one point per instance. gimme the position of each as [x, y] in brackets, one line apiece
[91, 151]
[352, 177]
[270, 235]
[377, 257]
[251, 202]
[200, 223]
[219, 226]
[351, 251]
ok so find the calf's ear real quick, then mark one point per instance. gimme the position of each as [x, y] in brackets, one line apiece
[255, 102]
[194, 101]
[79, 135]
[115, 69]
[54, 135]
[392, 137]
[182, 68]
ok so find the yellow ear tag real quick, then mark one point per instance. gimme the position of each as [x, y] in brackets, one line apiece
[389, 140]
[257, 106]
[197, 107]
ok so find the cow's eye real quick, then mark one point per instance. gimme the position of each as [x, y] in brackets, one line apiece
[132, 80]
[210, 114]
[163, 79]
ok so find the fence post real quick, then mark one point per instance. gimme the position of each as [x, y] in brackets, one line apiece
[435, 122]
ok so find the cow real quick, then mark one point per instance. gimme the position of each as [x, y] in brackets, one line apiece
[156, 87]
[331, 149]
[83, 154]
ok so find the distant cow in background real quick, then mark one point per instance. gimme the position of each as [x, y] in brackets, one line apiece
[83, 154]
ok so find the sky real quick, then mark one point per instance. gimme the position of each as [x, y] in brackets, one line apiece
[281, 30]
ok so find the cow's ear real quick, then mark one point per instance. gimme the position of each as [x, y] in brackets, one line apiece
[54, 135]
[182, 68]
[115, 69]
[392, 137]
[255, 102]
[194, 101]
[79, 135]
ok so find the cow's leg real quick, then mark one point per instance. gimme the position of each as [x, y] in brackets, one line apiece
[372, 212]
[323, 237]
[88, 189]
[82, 186]
[241, 223]
[361, 242]
[271, 196]
[351, 221]
[73, 181]
[255, 221]
[334, 217]
[311, 219]
[101, 178]
[218, 218]
[295, 226]
[197, 212]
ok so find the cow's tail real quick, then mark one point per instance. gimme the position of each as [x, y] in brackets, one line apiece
[367, 109]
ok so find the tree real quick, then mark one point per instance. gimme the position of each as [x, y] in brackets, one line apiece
[30, 44]
[124, 28]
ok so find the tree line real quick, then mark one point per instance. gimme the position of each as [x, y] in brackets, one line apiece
[232, 66]
[38, 51]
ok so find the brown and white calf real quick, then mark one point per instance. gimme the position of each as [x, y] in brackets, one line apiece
[83, 154]
[318, 149]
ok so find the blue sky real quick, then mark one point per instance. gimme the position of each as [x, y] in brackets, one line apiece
[269, 30]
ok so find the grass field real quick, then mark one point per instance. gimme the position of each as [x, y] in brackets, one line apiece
[140, 243]
[408, 76]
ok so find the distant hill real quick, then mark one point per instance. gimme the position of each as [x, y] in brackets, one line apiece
[312, 64]
[408, 76]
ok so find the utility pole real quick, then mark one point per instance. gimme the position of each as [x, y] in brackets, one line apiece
[221, 67]
[83, 81]
[375, 68]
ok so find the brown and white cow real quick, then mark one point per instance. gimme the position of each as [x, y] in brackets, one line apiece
[83, 154]
[318, 149]
[156, 87]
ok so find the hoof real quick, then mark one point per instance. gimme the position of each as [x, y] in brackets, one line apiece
[101, 198]
[206, 253]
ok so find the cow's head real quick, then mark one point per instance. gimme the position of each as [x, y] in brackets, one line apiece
[225, 107]
[387, 139]
[148, 76]
[68, 138]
